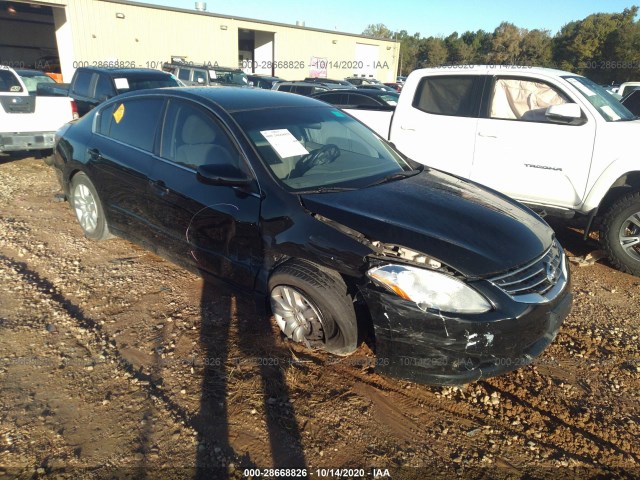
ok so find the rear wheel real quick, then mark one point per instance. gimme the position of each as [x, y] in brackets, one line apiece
[311, 305]
[86, 204]
[620, 233]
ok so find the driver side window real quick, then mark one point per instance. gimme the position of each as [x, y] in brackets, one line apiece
[522, 99]
[192, 137]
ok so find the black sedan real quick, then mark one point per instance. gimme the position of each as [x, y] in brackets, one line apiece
[294, 200]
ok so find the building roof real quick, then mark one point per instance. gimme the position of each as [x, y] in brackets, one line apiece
[244, 19]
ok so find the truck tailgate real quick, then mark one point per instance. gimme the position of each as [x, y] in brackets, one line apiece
[34, 114]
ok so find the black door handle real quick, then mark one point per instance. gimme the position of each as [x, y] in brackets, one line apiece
[159, 187]
[95, 153]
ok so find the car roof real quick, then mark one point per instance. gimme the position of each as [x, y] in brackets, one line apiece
[26, 71]
[260, 75]
[493, 69]
[232, 99]
[366, 92]
[127, 72]
[203, 66]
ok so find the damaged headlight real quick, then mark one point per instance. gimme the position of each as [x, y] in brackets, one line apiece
[429, 289]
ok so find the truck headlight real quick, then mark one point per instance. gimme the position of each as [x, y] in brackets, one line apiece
[429, 289]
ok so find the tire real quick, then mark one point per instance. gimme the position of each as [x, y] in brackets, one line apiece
[620, 233]
[86, 204]
[311, 305]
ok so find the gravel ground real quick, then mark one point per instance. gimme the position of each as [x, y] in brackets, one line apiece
[115, 363]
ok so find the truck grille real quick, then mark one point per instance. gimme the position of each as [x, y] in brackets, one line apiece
[537, 277]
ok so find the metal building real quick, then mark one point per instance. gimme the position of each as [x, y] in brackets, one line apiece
[61, 35]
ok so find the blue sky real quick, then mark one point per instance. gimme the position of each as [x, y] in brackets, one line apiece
[428, 17]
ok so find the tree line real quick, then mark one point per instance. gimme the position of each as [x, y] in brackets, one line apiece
[603, 46]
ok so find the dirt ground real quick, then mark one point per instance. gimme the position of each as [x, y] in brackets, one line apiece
[115, 363]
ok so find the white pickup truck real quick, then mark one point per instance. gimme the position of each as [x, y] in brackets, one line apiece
[553, 140]
[29, 121]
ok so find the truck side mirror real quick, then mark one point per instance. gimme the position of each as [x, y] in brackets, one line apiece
[566, 113]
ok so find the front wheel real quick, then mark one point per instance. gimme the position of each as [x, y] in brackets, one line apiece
[312, 306]
[620, 233]
[86, 204]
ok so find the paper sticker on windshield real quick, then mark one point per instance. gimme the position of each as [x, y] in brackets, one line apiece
[284, 143]
[588, 92]
[121, 83]
[607, 110]
[119, 113]
[15, 88]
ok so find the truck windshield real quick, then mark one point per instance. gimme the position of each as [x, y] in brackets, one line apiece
[319, 148]
[229, 77]
[606, 104]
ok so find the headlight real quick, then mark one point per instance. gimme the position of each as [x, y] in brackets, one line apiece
[429, 289]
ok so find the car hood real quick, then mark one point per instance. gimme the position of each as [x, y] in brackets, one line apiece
[474, 230]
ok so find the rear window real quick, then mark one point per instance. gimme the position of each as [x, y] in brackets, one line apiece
[82, 83]
[447, 95]
[145, 82]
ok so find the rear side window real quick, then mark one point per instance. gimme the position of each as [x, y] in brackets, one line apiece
[285, 88]
[447, 95]
[333, 98]
[362, 101]
[82, 84]
[183, 74]
[133, 122]
[200, 76]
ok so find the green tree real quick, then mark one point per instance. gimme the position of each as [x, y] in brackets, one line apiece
[458, 51]
[378, 30]
[432, 52]
[505, 45]
[536, 48]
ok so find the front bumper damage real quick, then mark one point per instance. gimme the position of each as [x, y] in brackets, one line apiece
[440, 349]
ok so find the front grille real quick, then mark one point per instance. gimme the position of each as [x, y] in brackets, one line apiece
[537, 277]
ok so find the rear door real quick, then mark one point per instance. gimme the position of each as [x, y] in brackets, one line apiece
[213, 227]
[520, 153]
[119, 158]
[439, 127]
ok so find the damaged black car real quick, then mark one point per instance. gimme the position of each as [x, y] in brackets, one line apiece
[299, 204]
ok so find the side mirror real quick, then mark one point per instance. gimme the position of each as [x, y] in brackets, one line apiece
[200, 80]
[566, 113]
[223, 174]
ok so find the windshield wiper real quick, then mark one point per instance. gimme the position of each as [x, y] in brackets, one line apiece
[325, 190]
[395, 176]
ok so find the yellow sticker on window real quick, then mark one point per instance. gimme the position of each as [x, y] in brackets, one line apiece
[119, 113]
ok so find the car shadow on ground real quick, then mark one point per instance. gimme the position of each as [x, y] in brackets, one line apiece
[239, 341]
[8, 157]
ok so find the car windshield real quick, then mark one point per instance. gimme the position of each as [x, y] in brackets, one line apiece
[319, 148]
[607, 105]
[124, 84]
[31, 80]
[229, 77]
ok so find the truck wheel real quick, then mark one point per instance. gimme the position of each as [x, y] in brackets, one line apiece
[312, 306]
[86, 204]
[620, 233]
